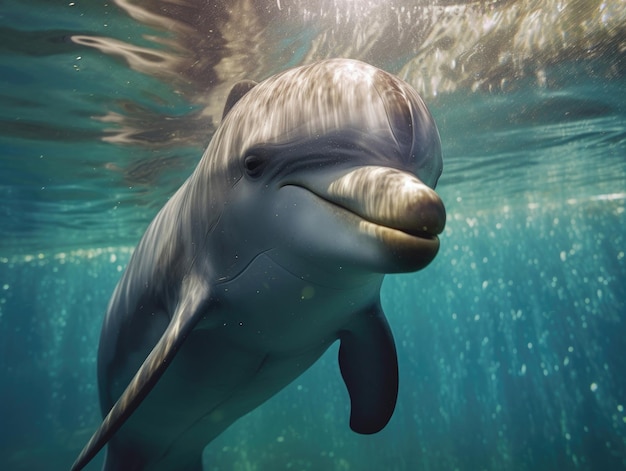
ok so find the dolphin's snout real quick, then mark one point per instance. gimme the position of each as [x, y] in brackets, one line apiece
[391, 198]
[425, 211]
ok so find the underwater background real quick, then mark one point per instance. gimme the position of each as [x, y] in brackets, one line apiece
[512, 343]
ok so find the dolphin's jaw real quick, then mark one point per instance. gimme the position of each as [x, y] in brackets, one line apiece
[403, 251]
[411, 252]
[392, 207]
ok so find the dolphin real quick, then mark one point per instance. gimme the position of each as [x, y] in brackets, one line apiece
[318, 182]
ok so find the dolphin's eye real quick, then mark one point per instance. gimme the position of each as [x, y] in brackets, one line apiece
[255, 165]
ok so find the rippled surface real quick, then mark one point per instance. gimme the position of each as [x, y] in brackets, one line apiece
[511, 343]
[107, 108]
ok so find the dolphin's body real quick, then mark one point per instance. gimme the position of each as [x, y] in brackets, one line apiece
[316, 184]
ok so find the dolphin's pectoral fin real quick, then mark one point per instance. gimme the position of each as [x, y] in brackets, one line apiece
[238, 90]
[192, 306]
[369, 366]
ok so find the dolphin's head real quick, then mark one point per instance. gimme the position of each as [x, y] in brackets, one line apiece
[331, 169]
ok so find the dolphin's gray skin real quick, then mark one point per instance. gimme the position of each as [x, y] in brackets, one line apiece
[316, 184]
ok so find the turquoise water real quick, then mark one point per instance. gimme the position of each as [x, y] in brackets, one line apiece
[512, 343]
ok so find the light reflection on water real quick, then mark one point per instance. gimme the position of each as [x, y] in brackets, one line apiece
[527, 96]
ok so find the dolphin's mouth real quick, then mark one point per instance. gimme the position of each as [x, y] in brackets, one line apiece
[389, 205]
[386, 197]
[387, 232]
[378, 227]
